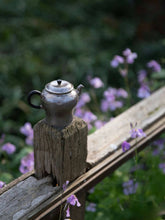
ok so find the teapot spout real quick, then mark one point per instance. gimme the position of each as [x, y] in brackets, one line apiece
[79, 88]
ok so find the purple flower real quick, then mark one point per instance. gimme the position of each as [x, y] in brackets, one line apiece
[72, 200]
[110, 94]
[29, 140]
[110, 101]
[79, 112]
[162, 167]
[123, 72]
[91, 207]
[119, 59]
[98, 124]
[64, 186]
[89, 116]
[137, 133]
[125, 146]
[129, 187]
[130, 56]
[156, 152]
[115, 104]
[9, 148]
[90, 126]
[84, 98]
[160, 143]
[155, 66]
[2, 184]
[28, 132]
[142, 76]
[122, 93]
[96, 82]
[143, 91]
[104, 105]
[127, 52]
[27, 163]
[130, 59]
[26, 129]
[68, 212]
[116, 61]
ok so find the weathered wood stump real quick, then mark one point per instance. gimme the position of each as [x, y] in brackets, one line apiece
[60, 153]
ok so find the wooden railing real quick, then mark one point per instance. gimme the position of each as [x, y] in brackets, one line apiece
[29, 198]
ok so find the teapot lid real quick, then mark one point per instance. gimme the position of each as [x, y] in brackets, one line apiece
[59, 87]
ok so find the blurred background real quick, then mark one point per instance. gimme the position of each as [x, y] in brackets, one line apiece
[44, 40]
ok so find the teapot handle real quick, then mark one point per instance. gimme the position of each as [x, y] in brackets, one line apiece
[34, 92]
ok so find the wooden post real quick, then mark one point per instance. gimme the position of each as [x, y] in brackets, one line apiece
[61, 154]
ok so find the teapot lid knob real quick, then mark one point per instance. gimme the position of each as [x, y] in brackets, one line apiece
[59, 81]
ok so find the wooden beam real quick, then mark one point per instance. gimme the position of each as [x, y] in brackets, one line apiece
[16, 181]
[37, 198]
[116, 131]
[101, 170]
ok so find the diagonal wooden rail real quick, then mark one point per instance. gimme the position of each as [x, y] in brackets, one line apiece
[29, 198]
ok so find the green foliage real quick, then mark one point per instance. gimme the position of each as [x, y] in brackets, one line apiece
[159, 76]
[45, 40]
[9, 166]
[111, 203]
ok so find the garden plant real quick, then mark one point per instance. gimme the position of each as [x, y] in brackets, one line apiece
[38, 46]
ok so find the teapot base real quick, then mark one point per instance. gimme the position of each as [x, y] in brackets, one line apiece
[59, 122]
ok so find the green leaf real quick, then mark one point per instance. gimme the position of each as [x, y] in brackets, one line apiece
[160, 75]
[6, 177]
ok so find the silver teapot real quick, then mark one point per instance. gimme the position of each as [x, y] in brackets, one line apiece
[58, 99]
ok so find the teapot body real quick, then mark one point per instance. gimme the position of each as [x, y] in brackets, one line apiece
[59, 108]
[58, 99]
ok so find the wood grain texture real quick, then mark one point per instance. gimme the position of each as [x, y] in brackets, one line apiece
[150, 115]
[24, 197]
[116, 131]
[60, 153]
[14, 182]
